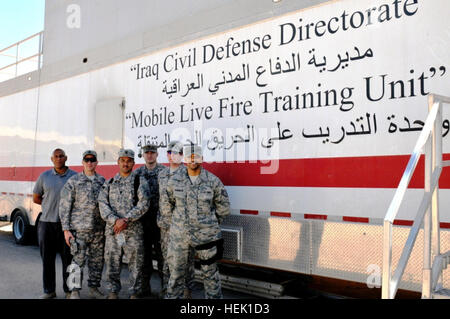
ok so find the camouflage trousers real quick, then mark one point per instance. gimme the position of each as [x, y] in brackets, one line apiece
[178, 250]
[129, 243]
[189, 276]
[88, 245]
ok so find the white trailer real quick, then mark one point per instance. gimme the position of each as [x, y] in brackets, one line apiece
[308, 114]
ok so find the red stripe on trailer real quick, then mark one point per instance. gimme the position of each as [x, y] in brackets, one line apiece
[248, 212]
[280, 214]
[26, 174]
[402, 222]
[445, 225]
[315, 216]
[355, 219]
[352, 172]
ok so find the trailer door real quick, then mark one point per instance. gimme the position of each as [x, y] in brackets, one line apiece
[109, 128]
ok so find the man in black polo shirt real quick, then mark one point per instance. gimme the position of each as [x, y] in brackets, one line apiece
[46, 193]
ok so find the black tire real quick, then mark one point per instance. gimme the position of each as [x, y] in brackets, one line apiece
[22, 231]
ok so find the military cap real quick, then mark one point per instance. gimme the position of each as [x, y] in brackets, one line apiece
[175, 146]
[90, 152]
[150, 148]
[126, 153]
[192, 149]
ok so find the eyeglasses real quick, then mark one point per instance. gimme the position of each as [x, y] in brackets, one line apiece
[90, 159]
[170, 152]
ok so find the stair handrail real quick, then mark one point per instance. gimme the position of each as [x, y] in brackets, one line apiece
[20, 60]
[429, 142]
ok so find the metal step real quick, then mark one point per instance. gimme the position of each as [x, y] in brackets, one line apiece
[256, 287]
[441, 294]
[250, 286]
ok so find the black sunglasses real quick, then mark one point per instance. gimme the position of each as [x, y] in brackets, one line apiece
[90, 159]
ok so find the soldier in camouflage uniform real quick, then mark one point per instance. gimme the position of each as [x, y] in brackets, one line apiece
[82, 225]
[152, 237]
[122, 201]
[199, 203]
[175, 157]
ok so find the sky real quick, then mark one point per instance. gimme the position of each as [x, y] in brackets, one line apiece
[19, 19]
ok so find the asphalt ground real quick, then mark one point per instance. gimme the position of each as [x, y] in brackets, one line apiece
[21, 274]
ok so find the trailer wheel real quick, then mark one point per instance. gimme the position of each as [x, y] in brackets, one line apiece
[21, 228]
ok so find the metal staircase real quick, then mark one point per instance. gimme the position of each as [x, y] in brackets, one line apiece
[440, 262]
[434, 262]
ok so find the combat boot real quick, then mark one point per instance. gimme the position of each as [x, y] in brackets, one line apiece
[187, 294]
[49, 295]
[113, 295]
[75, 294]
[95, 293]
[145, 294]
